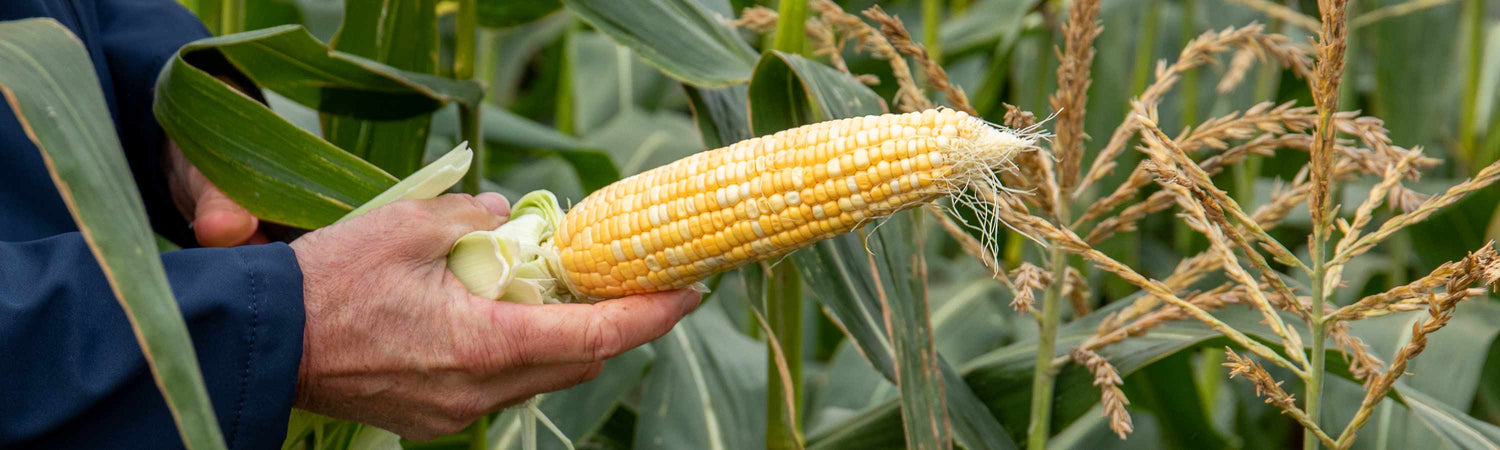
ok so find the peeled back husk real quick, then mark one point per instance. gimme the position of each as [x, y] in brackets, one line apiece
[516, 262]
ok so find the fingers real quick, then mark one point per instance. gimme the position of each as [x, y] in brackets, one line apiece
[509, 390]
[220, 222]
[430, 227]
[496, 203]
[579, 333]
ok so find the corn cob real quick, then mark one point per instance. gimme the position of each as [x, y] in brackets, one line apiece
[761, 198]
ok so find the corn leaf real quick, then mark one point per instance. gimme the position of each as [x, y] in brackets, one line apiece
[403, 35]
[581, 410]
[679, 37]
[703, 391]
[506, 13]
[720, 114]
[985, 25]
[48, 80]
[278, 171]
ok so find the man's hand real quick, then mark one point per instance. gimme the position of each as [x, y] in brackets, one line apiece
[216, 219]
[394, 340]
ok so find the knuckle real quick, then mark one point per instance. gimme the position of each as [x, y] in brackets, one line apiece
[463, 409]
[589, 373]
[602, 337]
[509, 348]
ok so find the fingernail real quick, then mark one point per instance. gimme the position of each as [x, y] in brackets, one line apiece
[690, 300]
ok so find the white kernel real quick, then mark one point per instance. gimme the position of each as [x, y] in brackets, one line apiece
[853, 185]
[861, 159]
[818, 212]
[722, 197]
[652, 263]
[895, 186]
[950, 131]
[692, 206]
[793, 198]
[906, 165]
[739, 171]
[936, 158]
[685, 231]
[655, 216]
[755, 226]
[862, 138]
[752, 209]
[858, 201]
[942, 141]
[834, 169]
[635, 244]
[776, 203]
[619, 252]
[797, 178]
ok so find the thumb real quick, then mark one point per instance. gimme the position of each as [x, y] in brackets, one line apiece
[220, 222]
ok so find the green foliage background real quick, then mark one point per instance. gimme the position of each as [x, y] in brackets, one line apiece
[578, 93]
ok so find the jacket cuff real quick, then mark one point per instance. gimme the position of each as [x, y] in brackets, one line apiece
[274, 351]
[251, 367]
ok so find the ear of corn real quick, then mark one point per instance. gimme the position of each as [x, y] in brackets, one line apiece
[761, 198]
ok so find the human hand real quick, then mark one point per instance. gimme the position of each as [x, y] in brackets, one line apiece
[394, 340]
[216, 219]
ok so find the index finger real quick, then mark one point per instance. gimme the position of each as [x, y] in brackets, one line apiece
[577, 332]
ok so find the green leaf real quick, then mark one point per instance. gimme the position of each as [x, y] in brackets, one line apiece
[985, 25]
[904, 299]
[48, 79]
[703, 392]
[288, 60]
[1457, 428]
[505, 13]
[1165, 388]
[720, 114]
[404, 35]
[280, 172]
[581, 410]
[679, 37]
[1417, 106]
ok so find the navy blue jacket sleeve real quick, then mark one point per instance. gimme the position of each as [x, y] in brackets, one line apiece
[74, 375]
[71, 372]
[137, 38]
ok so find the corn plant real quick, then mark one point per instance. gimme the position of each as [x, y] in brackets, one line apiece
[1063, 273]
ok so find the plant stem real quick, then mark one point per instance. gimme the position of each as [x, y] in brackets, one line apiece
[1474, 11]
[470, 124]
[784, 290]
[1145, 46]
[784, 312]
[932, 12]
[471, 128]
[232, 16]
[1042, 377]
[791, 34]
[1314, 391]
[480, 430]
